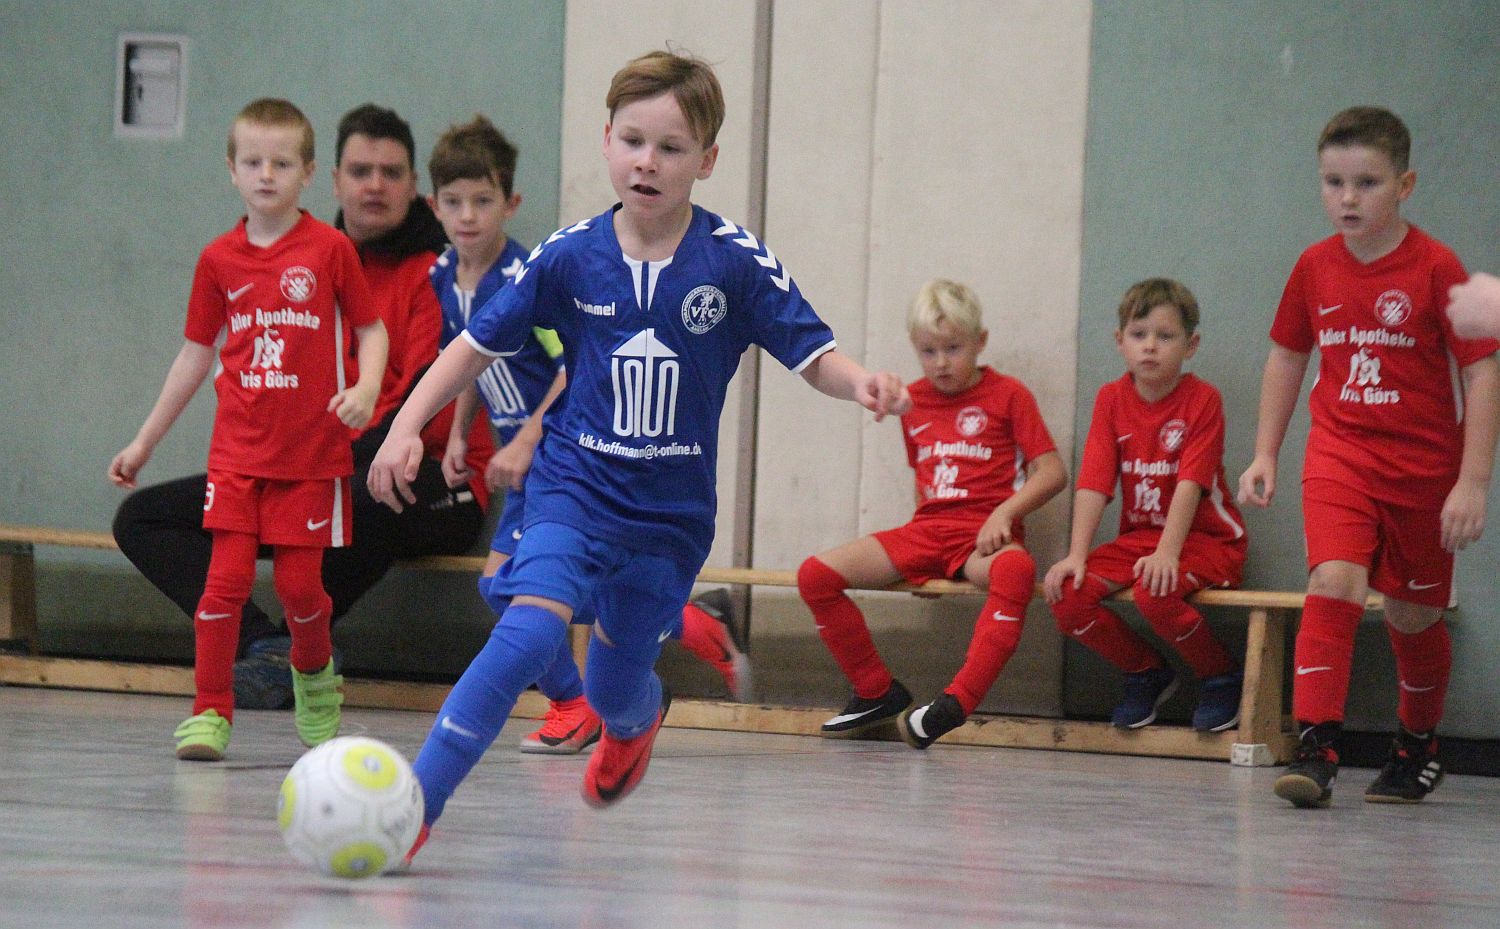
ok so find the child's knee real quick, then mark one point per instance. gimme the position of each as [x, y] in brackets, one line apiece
[1168, 614]
[818, 583]
[1075, 610]
[231, 584]
[1013, 571]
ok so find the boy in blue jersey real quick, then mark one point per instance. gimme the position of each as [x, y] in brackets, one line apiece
[655, 301]
[473, 168]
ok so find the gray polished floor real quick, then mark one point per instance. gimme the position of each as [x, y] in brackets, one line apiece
[101, 827]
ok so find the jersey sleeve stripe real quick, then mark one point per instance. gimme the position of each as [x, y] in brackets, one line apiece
[485, 351]
[816, 353]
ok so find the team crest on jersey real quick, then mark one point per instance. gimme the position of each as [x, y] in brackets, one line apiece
[703, 308]
[298, 284]
[1393, 308]
[971, 421]
[1172, 434]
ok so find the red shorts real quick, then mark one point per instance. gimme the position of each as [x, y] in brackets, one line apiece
[315, 514]
[934, 549]
[1401, 546]
[1203, 563]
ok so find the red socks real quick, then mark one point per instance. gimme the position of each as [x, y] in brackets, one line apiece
[1324, 654]
[216, 624]
[1080, 615]
[1183, 627]
[308, 608]
[842, 628]
[1423, 662]
[997, 631]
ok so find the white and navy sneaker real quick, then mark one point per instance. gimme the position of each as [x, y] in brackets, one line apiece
[862, 714]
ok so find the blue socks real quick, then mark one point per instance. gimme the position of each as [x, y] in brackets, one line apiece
[524, 645]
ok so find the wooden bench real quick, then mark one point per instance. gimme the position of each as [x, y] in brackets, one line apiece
[1261, 738]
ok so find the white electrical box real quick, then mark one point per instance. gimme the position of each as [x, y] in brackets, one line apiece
[150, 86]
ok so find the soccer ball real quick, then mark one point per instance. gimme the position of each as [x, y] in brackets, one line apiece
[350, 807]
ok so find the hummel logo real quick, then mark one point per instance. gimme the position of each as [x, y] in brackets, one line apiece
[234, 295]
[1301, 671]
[315, 526]
[1413, 585]
[307, 619]
[1085, 628]
[1002, 618]
[1416, 690]
[1184, 637]
[916, 429]
[452, 726]
[1325, 310]
[209, 617]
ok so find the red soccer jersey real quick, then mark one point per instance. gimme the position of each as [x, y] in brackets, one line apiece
[286, 312]
[970, 450]
[1385, 406]
[1149, 447]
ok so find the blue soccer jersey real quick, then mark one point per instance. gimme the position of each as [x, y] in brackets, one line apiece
[513, 386]
[650, 347]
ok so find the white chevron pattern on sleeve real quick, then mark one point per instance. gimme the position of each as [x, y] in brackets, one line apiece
[764, 257]
[521, 272]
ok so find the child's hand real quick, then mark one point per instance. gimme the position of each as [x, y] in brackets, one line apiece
[456, 471]
[883, 394]
[127, 464]
[1258, 483]
[394, 468]
[354, 405]
[507, 468]
[1463, 515]
[995, 534]
[1069, 569]
[1474, 307]
[1157, 573]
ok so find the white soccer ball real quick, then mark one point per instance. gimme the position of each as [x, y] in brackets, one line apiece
[350, 807]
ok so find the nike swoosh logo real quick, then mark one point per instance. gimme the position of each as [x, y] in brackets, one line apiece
[238, 293]
[1302, 671]
[1413, 585]
[306, 619]
[1124, 437]
[1325, 310]
[209, 617]
[1002, 618]
[1085, 628]
[916, 429]
[452, 726]
[558, 740]
[665, 635]
[1416, 690]
[850, 717]
[1186, 635]
[314, 527]
[515, 535]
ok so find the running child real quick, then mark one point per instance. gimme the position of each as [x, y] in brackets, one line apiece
[1157, 433]
[983, 460]
[284, 291]
[1398, 457]
[654, 301]
[473, 169]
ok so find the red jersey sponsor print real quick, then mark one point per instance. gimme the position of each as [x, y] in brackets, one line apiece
[286, 313]
[1149, 447]
[1386, 407]
[970, 450]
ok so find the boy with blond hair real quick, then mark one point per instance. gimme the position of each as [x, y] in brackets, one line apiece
[654, 300]
[983, 460]
[1397, 464]
[473, 169]
[286, 294]
[1157, 433]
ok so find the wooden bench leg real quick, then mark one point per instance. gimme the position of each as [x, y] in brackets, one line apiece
[1260, 739]
[17, 596]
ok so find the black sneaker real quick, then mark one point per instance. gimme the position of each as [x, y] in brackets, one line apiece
[263, 678]
[1308, 781]
[861, 714]
[926, 724]
[1412, 772]
[1218, 702]
[1145, 692]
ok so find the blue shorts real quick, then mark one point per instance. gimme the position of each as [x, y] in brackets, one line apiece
[633, 596]
[508, 530]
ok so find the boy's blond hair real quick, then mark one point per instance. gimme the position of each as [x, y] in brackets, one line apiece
[690, 80]
[274, 111]
[1151, 293]
[942, 300]
[1373, 127]
[473, 151]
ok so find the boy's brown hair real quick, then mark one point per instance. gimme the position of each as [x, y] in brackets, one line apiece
[1373, 127]
[690, 80]
[473, 151]
[1149, 294]
[273, 111]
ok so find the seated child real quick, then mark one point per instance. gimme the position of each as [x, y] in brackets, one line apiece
[983, 460]
[1159, 432]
